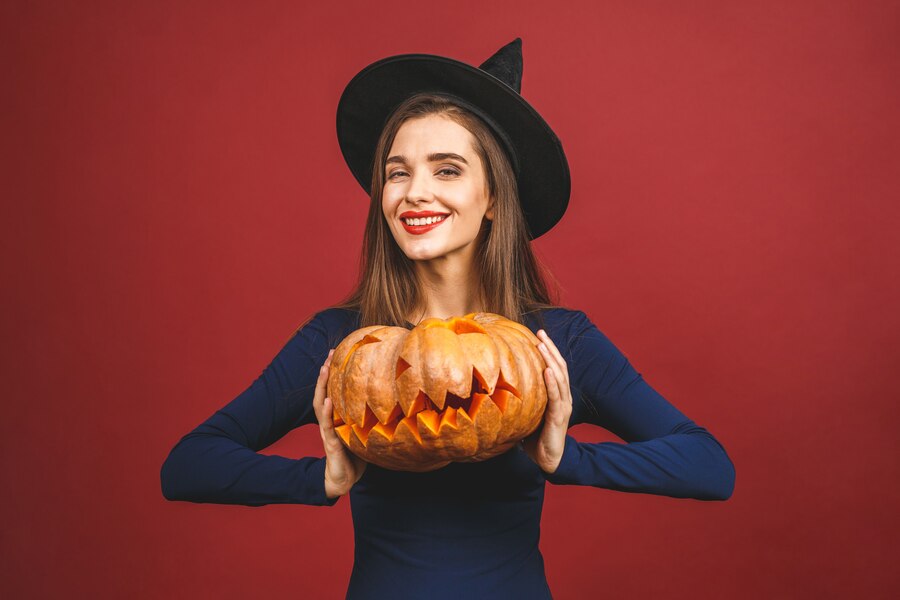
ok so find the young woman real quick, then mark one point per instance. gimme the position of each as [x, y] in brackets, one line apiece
[462, 174]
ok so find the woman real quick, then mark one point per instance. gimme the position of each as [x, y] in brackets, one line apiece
[466, 172]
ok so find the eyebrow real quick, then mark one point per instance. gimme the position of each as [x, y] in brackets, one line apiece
[434, 157]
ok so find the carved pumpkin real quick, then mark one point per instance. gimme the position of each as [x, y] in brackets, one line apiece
[458, 389]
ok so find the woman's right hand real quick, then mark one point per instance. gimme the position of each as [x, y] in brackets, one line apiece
[342, 467]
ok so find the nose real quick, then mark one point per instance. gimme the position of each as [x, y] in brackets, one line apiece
[419, 189]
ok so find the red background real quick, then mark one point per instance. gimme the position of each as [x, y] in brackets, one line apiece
[175, 204]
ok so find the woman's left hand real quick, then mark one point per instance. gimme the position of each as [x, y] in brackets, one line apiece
[545, 446]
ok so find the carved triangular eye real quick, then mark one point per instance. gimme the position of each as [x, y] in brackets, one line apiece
[503, 384]
[402, 365]
[367, 339]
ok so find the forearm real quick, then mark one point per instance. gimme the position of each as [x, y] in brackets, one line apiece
[209, 468]
[688, 463]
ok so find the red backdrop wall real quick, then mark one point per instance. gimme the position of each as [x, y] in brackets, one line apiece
[175, 204]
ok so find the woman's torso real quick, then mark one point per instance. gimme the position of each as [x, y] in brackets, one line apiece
[468, 530]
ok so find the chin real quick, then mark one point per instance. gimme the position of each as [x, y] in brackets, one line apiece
[421, 249]
[422, 254]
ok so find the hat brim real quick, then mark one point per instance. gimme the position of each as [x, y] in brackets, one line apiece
[375, 92]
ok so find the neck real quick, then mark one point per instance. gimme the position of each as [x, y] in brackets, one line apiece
[450, 287]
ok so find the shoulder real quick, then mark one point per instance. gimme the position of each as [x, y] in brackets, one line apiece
[557, 320]
[327, 327]
[570, 329]
[335, 317]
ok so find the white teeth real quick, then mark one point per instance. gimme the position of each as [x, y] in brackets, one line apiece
[425, 221]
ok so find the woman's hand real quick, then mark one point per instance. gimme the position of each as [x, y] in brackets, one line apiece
[545, 446]
[342, 467]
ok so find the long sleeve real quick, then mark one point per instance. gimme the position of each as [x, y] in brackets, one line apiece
[219, 461]
[665, 453]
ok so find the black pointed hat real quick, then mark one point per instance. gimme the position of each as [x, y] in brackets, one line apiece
[491, 91]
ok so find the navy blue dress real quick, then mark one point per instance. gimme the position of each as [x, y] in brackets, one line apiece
[469, 529]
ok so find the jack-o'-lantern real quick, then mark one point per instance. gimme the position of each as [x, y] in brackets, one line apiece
[458, 389]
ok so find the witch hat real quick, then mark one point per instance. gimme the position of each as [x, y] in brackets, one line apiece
[491, 91]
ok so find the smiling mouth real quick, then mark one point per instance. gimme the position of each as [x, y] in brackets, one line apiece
[423, 227]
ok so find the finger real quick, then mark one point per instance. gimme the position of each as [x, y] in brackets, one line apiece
[322, 380]
[327, 420]
[326, 428]
[564, 394]
[559, 407]
[553, 393]
[560, 367]
[319, 394]
[551, 347]
[552, 363]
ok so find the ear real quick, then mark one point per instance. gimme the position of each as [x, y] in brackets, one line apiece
[489, 213]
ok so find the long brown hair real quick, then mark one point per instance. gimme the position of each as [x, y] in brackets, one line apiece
[512, 279]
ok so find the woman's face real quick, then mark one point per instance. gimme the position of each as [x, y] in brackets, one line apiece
[433, 168]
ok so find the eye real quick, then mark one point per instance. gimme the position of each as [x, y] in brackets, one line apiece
[449, 170]
[397, 172]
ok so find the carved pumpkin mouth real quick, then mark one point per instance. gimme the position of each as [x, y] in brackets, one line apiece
[463, 388]
[424, 413]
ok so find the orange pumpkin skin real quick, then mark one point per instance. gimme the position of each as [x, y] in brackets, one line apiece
[458, 389]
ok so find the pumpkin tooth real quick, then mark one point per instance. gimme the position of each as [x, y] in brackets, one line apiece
[369, 419]
[448, 419]
[475, 405]
[356, 445]
[511, 406]
[479, 383]
[361, 434]
[422, 402]
[410, 424]
[457, 402]
[395, 415]
[344, 432]
[431, 419]
[386, 431]
[487, 418]
[461, 441]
